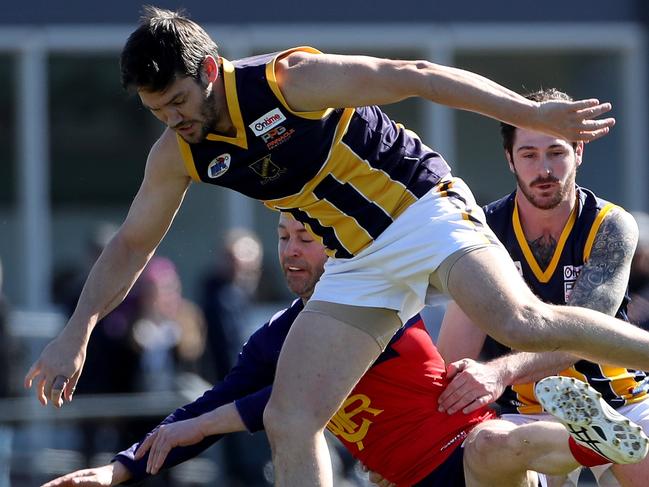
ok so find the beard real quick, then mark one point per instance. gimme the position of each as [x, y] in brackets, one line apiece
[560, 193]
[207, 122]
[303, 283]
[210, 115]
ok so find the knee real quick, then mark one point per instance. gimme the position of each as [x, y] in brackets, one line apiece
[500, 440]
[289, 423]
[487, 440]
[274, 418]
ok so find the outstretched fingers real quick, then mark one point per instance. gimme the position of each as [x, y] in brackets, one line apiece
[36, 374]
[591, 127]
[592, 110]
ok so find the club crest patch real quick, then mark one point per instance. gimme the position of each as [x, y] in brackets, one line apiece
[267, 169]
[218, 166]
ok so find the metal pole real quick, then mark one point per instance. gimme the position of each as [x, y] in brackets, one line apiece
[33, 176]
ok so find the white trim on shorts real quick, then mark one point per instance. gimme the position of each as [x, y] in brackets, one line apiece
[393, 272]
[637, 412]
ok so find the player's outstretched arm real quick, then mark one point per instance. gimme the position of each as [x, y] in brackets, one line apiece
[311, 82]
[224, 419]
[235, 404]
[476, 384]
[57, 371]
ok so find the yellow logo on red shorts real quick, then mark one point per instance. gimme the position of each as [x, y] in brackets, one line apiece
[345, 424]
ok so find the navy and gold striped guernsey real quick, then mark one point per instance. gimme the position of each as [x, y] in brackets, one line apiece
[553, 285]
[345, 173]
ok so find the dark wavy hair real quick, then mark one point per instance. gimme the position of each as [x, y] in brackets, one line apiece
[509, 131]
[165, 46]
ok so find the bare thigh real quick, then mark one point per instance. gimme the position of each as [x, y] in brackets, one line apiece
[321, 361]
[488, 288]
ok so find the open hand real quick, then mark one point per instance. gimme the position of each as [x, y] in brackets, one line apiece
[105, 476]
[473, 385]
[574, 121]
[57, 370]
[166, 437]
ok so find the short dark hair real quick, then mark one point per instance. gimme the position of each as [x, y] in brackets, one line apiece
[508, 131]
[166, 45]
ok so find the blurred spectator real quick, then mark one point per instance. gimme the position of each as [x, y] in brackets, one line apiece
[227, 293]
[169, 331]
[167, 335]
[639, 279]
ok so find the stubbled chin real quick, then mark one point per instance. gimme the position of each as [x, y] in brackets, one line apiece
[189, 140]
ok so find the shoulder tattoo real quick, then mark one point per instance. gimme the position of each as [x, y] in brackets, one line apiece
[604, 278]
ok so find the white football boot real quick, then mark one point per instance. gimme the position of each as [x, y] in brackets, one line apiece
[590, 421]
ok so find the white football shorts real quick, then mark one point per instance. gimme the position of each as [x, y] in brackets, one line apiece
[394, 272]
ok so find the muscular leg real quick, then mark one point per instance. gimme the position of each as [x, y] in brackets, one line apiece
[320, 363]
[487, 287]
[501, 453]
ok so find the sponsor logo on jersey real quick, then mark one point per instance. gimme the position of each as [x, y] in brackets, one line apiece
[218, 166]
[267, 169]
[351, 421]
[267, 121]
[277, 136]
[571, 272]
[568, 286]
[570, 275]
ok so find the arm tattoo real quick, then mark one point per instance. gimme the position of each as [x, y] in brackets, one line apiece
[543, 249]
[604, 278]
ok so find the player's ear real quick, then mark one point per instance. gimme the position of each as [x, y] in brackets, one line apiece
[579, 153]
[210, 69]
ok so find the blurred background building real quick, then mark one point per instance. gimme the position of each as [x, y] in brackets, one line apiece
[74, 145]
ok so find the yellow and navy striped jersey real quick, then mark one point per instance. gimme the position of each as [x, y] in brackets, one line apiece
[553, 285]
[345, 173]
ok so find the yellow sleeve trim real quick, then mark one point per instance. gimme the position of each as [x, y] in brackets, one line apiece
[188, 158]
[595, 228]
[272, 82]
